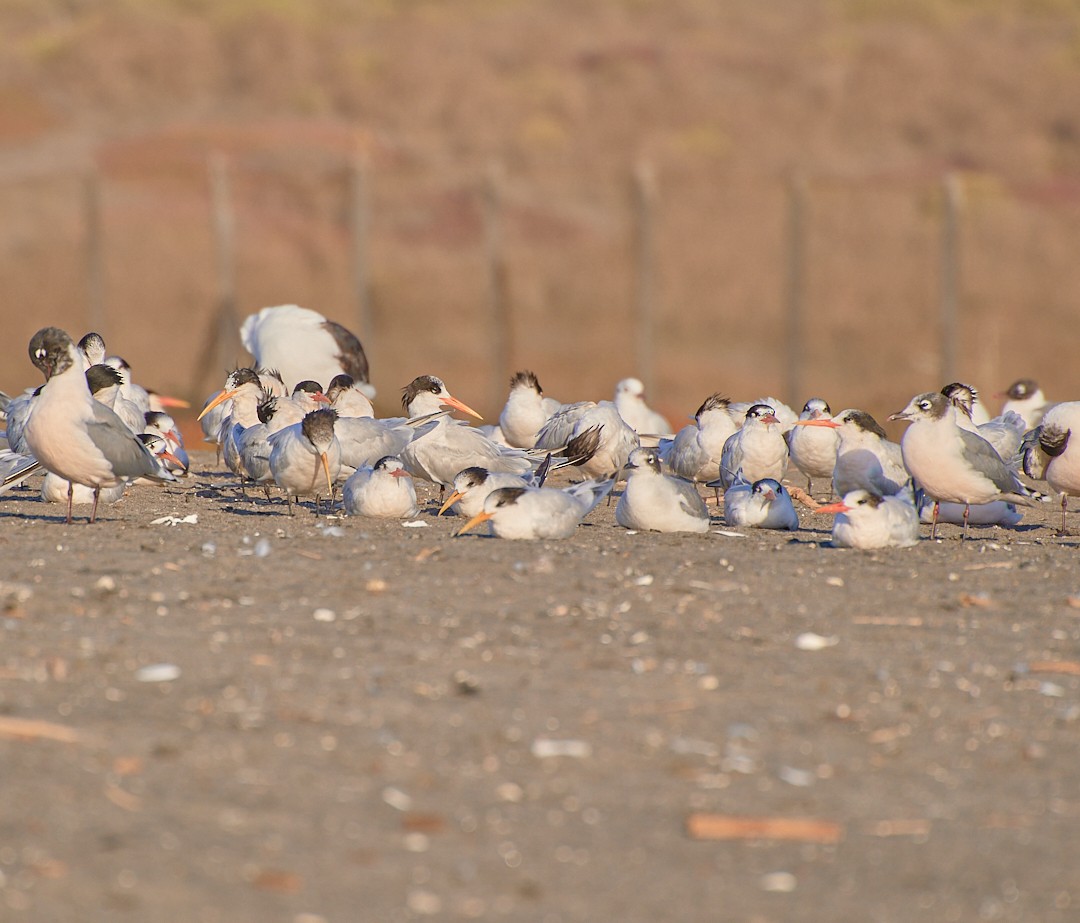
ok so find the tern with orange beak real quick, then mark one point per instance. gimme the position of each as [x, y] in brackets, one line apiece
[866, 520]
[759, 449]
[441, 447]
[696, 450]
[385, 491]
[539, 512]
[306, 457]
[812, 442]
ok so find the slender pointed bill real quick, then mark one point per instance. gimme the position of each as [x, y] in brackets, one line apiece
[831, 424]
[166, 401]
[838, 507]
[450, 501]
[474, 522]
[220, 399]
[450, 401]
[399, 473]
[320, 398]
[899, 415]
[326, 468]
[168, 456]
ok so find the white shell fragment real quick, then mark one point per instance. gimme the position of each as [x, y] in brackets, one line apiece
[809, 641]
[158, 673]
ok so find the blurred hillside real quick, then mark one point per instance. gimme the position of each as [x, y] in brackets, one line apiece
[870, 102]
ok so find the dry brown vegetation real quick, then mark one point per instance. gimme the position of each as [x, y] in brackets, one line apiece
[872, 102]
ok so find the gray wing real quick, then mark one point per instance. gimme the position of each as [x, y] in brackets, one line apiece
[689, 498]
[984, 458]
[127, 455]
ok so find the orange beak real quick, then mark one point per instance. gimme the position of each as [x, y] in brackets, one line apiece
[221, 398]
[326, 468]
[449, 401]
[167, 401]
[320, 398]
[450, 501]
[474, 522]
[837, 507]
[832, 424]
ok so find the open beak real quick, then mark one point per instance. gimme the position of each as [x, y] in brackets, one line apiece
[450, 501]
[449, 401]
[838, 507]
[220, 399]
[326, 468]
[474, 522]
[824, 421]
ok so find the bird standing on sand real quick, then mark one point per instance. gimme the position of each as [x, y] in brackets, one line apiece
[758, 450]
[952, 464]
[76, 437]
[1051, 452]
[301, 454]
[813, 449]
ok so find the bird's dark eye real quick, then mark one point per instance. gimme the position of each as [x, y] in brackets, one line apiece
[924, 405]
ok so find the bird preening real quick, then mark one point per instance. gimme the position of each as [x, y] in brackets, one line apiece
[91, 431]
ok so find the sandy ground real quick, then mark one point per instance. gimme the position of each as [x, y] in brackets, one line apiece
[260, 718]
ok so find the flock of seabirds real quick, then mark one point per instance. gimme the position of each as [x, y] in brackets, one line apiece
[93, 431]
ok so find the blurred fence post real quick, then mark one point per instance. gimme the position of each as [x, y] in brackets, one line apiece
[221, 347]
[499, 301]
[644, 200]
[950, 275]
[360, 224]
[95, 253]
[796, 282]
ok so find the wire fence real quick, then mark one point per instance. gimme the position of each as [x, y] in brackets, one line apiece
[860, 289]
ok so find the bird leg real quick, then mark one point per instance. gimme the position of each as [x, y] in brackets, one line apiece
[288, 502]
[1064, 507]
[967, 512]
[933, 526]
[93, 509]
[71, 499]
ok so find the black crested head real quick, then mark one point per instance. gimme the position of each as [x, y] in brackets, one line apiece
[861, 420]
[715, 401]
[526, 379]
[267, 409]
[504, 496]
[418, 385]
[308, 387]
[471, 477]
[318, 426]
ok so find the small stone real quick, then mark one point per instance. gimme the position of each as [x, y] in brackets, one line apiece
[778, 882]
[544, 747]
[324, 615]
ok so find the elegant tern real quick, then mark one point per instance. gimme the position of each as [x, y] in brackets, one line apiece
[952, 464]
[758, 449]
[385, 491]
[696, 450]
[866, 521]
[594, 437]
[658, 502]
[74, 436]
[305, 456]
[765, 504]
[472, 485]
[813, 448]
[441, 447]
[539, 512]
[865, 458]
[526, 411]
